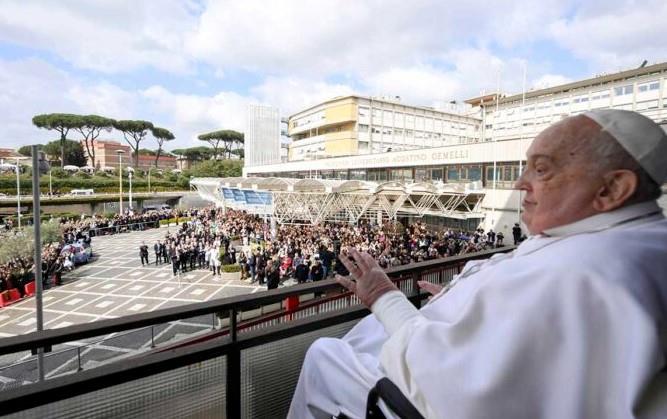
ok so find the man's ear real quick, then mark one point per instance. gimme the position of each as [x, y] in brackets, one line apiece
[617, 188]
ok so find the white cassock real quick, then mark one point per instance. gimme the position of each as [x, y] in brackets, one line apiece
[569, 325]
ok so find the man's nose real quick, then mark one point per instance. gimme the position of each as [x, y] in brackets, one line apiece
[522, 182]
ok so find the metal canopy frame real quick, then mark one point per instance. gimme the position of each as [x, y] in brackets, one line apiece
[314, 201]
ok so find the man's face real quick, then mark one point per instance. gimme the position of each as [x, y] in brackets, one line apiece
[558, 183]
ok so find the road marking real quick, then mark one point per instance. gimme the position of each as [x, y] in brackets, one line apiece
[108, 286]
[136, 288]
[74, 301]
[136, 273]
[28, 322]
[166, 290]
[137, 307]
[104, 304]
[81, 284]
[62, 324]
[198, 291]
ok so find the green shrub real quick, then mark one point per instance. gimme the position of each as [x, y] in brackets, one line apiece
[59, 173]
[173, 220]
[232, 267]
[82, 175]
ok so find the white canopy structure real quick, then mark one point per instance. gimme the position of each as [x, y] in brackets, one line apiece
[71, 168]
[291, 200]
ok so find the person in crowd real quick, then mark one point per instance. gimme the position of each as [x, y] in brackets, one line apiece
[243, 264]
[301, 271]
[516, 233]
[157, 248]
[316, 270]
[143, 253]
[569, 325]
[217, 263]
[272, 277]
[499, 239]
[175, 260]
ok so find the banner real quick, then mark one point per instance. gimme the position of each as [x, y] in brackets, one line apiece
[252, 198]
[227, 194]
[238, 195]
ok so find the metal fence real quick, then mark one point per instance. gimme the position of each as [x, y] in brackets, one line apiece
[249, 370]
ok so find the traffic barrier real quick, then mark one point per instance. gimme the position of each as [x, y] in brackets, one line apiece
[9, 297]
[29, 289]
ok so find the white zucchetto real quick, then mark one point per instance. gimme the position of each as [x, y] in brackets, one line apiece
[642, 138]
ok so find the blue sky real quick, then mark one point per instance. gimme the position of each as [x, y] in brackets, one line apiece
[193, 66]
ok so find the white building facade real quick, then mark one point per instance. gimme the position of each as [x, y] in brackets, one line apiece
[262, 135]
[490, 148]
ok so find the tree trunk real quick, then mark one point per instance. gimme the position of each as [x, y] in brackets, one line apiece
[159, 150]
[62, 149]
[136, 155]
[157, 156]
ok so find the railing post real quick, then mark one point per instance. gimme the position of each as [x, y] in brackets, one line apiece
[78, 357]
[415, 287]
[233, 371]
[152, 337]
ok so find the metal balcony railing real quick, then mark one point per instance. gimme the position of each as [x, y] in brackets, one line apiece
[247, 369]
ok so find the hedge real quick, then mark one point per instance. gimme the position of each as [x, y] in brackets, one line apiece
[232, 267]
[173, 220]
[99, 184]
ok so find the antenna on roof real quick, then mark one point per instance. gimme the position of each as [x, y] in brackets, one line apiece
[643, 64]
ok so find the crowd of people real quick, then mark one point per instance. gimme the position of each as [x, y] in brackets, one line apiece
[64, 255]
[213, 238]
[19, 271]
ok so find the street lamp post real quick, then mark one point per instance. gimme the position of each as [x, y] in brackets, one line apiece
[120, 181]
[18, 194]
[149, 179]
[50, 185]
[129, 175]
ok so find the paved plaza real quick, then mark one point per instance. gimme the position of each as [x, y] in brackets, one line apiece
[113, 285]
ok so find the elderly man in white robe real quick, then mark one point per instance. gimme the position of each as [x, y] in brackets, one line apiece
[572, 324]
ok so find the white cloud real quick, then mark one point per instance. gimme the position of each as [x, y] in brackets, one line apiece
[292, 94]
[550, 80]
[318, 38]
[30, 87]
[190, 115]
[615, 35]
[106, 36]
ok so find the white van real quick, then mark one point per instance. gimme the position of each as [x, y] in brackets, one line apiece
[80, 192]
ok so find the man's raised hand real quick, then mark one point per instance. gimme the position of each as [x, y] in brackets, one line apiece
[367, 280]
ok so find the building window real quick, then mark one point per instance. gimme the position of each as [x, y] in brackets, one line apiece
[474, 173]
[623, 90]
[648, 86]
[363, 128]
[358, 174]
[363, 112]
[452, 174]
[436, 174]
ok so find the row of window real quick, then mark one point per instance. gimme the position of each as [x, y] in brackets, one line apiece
[597, 95]
[400, 132]
[506, 174]
[410, 119]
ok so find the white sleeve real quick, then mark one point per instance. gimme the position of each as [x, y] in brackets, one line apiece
[393, 310]
[553, 348]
